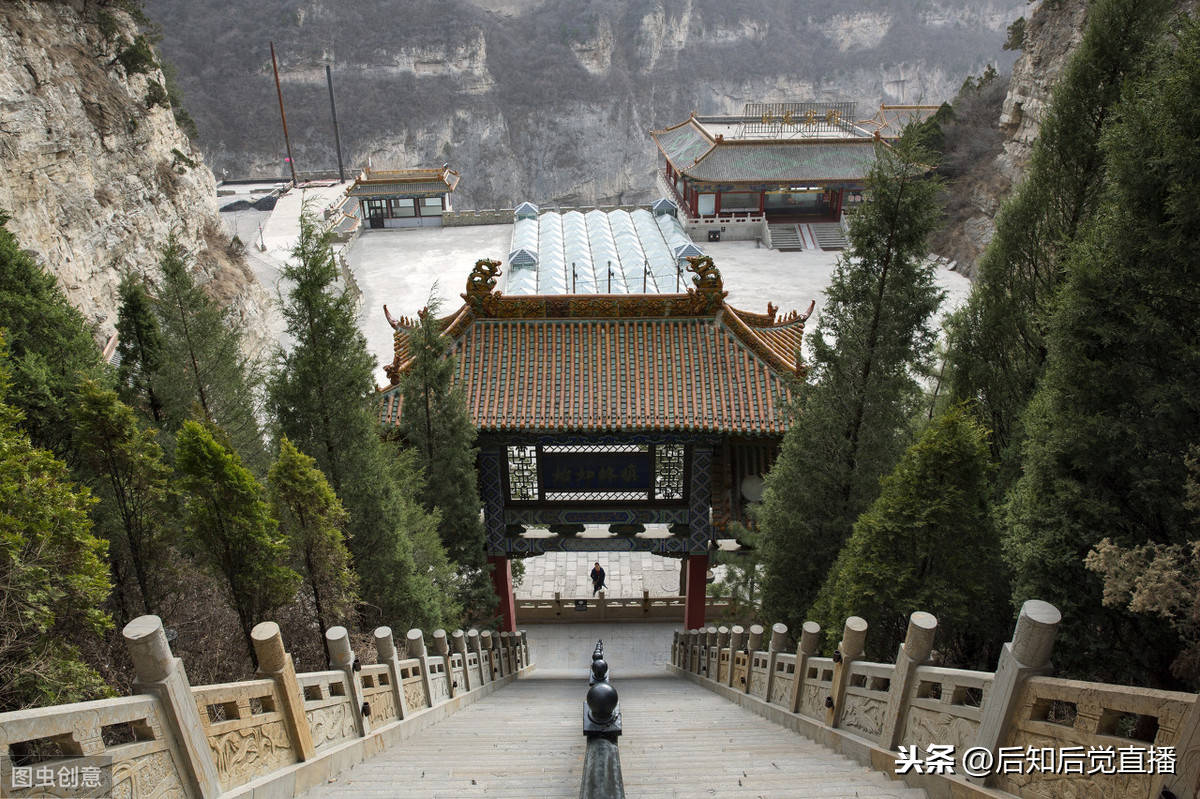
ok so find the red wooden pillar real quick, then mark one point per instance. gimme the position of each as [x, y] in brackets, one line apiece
[697, 585]
[502, 583]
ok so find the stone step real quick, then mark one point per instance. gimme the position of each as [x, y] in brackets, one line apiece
[679, 741]
[786, 237]
[829, 235]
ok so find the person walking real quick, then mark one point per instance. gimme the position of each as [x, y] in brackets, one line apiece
[597, 576]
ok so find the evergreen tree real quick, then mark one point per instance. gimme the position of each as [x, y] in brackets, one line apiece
[53, 582]
[850, 423]
[1119, 406]
[139, 348]
[927, 543]
[49, 344]
[203, 372]
[322, 397]
[435, 423]
[132, 484]
[313, 520]
[998, 343]
[229, 525]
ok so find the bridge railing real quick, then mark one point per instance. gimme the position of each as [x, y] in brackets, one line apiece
[870, 711]
[279, 734]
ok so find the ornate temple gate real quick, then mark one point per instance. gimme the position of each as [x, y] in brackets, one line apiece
[621, 409]
[628, 481]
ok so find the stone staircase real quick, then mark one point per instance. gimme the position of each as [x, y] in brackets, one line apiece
[785, 237]
[679, 741]
[829, 235]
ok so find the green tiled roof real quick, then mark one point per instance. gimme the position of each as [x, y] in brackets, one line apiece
[683, 145]
[398, 189]
[785, 162]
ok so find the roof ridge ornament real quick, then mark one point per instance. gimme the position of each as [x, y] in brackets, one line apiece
[481, 283]
[709, 287]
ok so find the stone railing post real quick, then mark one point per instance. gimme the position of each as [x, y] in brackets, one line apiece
[525, 648]
[675, 648]
[753, 644]
[1026, 655]
[737, 639]
[275, 662]
[850, 649]
[385, 650]
[342, 657]
[473, 644]
[810, 642]
[160, 673]
[774, 647]
[724, 642]
[501, 668]
[711, 668]
[485, 643]
[460, 648]
[1186, 779]
[442, 647]
[416, 649]
[912, 653]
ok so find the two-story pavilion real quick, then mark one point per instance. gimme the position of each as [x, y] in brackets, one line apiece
[788, 161]
[633, 410]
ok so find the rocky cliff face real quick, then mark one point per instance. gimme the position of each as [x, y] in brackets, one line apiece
[1052, 32]
[94, 171]
[547, 100]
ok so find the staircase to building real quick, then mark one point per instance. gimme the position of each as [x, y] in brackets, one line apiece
[679, 740]
[829, 235]
[786, 237]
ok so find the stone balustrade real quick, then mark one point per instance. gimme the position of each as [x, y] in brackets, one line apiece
[602, 608]
[274, 736]
[868, 710]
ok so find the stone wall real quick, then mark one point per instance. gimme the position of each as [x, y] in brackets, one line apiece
[870, 710]
[277, 735]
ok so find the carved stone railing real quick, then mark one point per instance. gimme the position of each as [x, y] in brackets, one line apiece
[869, 710]
[277, 735]
[603, 608]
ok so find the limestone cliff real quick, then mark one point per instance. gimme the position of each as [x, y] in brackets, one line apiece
[547, 100]
[94, 171]
[1052, 32]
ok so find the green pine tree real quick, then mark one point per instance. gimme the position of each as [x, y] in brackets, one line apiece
[313, 521]
[435, 423]
[322, 396]
[997, 340]
[927, 543]
[49, 344]
[203, 372]
[229, 525]
[53, 580]
[851, 420]
[1119, 406]
[131, 481]
[139, 348]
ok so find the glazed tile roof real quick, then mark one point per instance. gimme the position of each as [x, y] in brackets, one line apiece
[686, 362]
[385, 182]
[694, 153]
[374, 188]
[805, 160]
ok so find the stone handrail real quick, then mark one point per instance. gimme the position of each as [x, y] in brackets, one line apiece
[869, 710]
[603, 608]
[276, 735]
